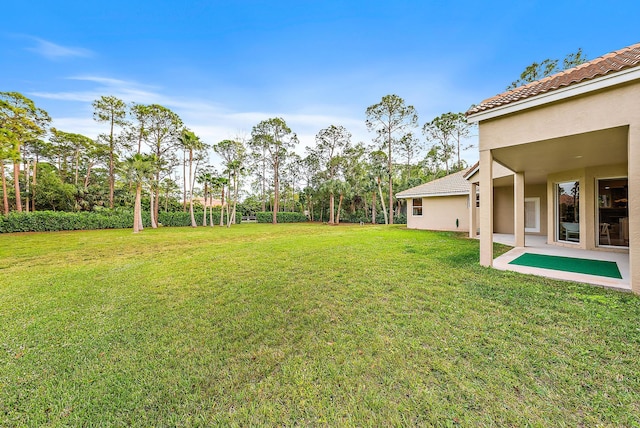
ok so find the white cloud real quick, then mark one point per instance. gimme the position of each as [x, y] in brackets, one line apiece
[54, 51]
[206, 118]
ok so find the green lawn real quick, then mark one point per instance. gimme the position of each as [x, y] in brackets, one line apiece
[302, 325]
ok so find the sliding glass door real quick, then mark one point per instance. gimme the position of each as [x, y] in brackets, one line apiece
[613, 212]
[568, 211]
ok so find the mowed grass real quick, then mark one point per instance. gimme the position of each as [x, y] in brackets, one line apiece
[302, 325]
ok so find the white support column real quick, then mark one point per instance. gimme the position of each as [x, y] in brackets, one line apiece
[486, 208]
[473, 211]
[634, 207]
[518, 208]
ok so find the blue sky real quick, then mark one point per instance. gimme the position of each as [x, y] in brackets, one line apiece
[223, 66]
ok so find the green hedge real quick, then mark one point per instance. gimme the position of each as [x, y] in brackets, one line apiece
[44, 221]
[360, 217]
[48, 221]
[282, 217]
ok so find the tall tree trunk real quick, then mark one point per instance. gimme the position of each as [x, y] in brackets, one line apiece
[33, 184]
[264, 181]
[384, 209]
[211, 207]
[5, 196]
[87, 176]
[222, 207]
[390, 167]
[154, 222]
[235, 200]
[76, 167]
[339, 208]
[16, 185]
[156, 201]
[276, 192]
[184, 184]
[26, 185]
[373, 208]
[231, 215]
[229, 200]
[140, 222]
[112, 179]
[137, 208]
[204, 216]
[193, 218]
[331, 208]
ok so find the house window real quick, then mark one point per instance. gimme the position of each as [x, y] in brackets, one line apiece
[532, 215]
[417, 206]
[568, 211]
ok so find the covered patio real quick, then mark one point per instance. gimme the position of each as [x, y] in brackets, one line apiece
[537, 244]
[571, 142]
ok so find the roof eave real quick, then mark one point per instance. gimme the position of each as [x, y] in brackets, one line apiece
[602, 82]
[471, 171]
[431, 195]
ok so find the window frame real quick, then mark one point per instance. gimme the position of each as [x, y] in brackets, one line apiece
[415, 208]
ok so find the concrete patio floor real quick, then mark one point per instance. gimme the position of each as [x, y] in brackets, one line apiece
[538, 245]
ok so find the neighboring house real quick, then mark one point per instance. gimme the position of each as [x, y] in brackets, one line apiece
[441, 204]
[572, 142]
[209, 203]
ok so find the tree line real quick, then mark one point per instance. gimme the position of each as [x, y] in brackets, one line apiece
[147, 159]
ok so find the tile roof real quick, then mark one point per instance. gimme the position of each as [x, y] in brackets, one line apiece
[452, 184]
[613, 62]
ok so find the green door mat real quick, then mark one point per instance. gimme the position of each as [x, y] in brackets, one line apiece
[569, 264]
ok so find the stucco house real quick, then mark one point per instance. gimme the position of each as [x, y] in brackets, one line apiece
[441, 204]
[572, 143]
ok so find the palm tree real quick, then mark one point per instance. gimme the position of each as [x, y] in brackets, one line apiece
[191, 142]
[236, 170]
[8, 151]
[139, 168]
[205, 178]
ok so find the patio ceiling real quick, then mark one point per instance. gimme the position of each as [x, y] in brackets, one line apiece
[541, 158]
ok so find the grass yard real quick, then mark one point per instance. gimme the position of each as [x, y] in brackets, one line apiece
[302, 324]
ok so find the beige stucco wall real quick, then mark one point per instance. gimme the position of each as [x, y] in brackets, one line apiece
[440, 213]
[503, 209]
[503, 212]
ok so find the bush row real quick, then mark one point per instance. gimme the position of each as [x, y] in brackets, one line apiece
[45, 221]
[282, 217]
[358, 217]
[48, 221]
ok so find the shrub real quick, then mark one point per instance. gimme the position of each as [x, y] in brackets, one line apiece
[44, 221]
[281, 217]
[48, 221]
[360, 217]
